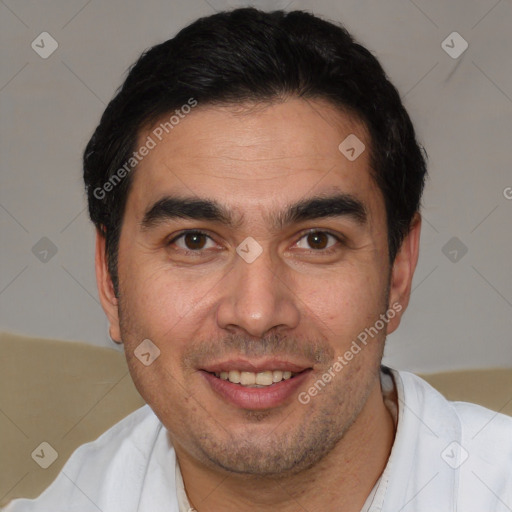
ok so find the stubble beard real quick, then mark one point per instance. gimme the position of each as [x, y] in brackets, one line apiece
[289, 449]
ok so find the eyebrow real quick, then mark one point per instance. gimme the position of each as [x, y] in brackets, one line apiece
[174, 207]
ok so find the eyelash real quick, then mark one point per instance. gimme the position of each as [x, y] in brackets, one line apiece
[328, 251]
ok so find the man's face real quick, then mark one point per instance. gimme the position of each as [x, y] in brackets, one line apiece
[317, 284]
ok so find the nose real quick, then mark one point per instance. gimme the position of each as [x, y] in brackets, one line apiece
[258, 297]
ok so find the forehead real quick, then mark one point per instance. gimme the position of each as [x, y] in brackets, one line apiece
[251, 157]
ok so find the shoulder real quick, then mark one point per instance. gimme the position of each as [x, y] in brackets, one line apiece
[136, 431]
[468, 445]
[111, 467]
[475, 421]
[486, 441]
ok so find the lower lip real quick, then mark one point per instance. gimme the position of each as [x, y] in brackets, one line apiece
[256, 398]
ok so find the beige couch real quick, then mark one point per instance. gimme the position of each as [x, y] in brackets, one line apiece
[68, 393]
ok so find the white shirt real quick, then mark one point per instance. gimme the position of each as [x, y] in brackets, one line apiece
[447, 456]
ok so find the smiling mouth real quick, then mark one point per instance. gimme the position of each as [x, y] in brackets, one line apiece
[256, 379]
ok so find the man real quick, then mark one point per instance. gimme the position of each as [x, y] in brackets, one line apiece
[255, 185]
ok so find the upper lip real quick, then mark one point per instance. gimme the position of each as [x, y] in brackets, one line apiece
[253, 366]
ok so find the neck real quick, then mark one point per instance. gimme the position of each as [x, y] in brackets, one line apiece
[342, 480]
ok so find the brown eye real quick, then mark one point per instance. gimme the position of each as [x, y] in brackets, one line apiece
[318, 240]
[194, 241]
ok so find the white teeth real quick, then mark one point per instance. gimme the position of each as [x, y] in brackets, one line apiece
[277, 375]
[264, 378]
[251, 379]
[247, 378]
[234, 376]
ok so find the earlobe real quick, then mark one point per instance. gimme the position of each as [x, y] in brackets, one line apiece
[403, 271]
[114, 340]
[108, 299]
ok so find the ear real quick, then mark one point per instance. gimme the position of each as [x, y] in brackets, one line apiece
[403, 272]
[108, 299]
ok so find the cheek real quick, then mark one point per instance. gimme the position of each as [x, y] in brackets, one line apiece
[168, 310]
[346, 302]
[161, 297]
[343, 289]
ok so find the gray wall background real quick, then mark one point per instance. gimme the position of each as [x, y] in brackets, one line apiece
[460, 314]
